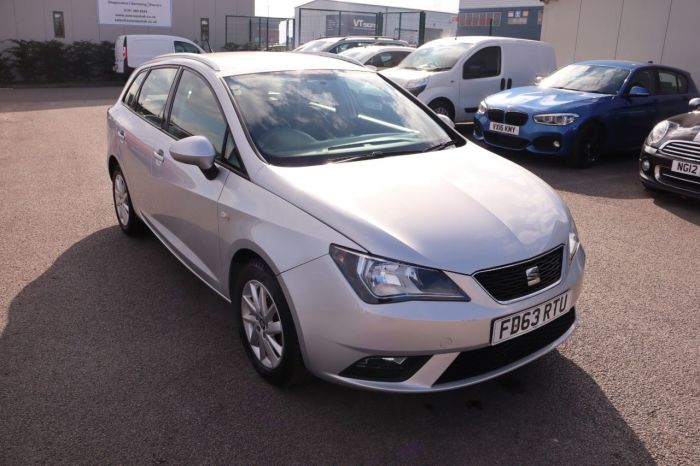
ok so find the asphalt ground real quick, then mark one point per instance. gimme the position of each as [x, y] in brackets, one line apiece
[112, 352]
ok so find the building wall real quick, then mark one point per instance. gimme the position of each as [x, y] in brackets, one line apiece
[662, 31]
[32, 20]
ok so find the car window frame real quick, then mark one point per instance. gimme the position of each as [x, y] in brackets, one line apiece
[167, 99]
[171, 98]
[145, 73]
[474, 52]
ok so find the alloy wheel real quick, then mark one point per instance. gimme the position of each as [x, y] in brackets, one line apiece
[262, 324]
[121, 199]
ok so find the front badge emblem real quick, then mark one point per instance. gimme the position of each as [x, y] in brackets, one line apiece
[533, 276]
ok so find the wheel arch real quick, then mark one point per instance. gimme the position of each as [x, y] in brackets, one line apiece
[112, 165]
[450, 105]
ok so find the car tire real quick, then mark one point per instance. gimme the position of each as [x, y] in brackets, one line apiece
[443, 107]
[266, 330]
[128, 220]
[588, 147]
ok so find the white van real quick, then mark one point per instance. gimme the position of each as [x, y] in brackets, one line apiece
[132, 50]
[452, 75]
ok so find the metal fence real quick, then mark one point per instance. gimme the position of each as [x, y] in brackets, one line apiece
[259, 33]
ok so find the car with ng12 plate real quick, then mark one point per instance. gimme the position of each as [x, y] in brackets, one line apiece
[670, 158]
[585, 110]
[354, 232]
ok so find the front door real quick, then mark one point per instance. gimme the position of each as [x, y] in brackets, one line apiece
[481, 77]
[637, 115]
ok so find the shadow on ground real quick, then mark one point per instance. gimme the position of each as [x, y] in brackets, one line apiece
[33, 99]
[117, 354]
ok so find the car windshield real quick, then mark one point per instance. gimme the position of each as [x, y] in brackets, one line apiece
[435, 56]
[318, 45]
[298, 118]
[587, 78]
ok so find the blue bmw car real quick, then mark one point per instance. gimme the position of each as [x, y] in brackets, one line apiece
[585, 110]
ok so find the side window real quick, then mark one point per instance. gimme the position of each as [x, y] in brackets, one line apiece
[196, 112]
[668, 83]
[154, 94]
[130, 96]
[682, 84]
[344, 46]
[483, 64]
[644, 78]
[398, 58]
[185, 47]
[230, 154]
[381, 60]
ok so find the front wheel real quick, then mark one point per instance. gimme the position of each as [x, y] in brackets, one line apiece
[442, 107]
[588, 147]
[266, 326]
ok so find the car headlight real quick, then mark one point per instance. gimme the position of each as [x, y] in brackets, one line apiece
[574, 241]
[482, 107]
[377, 280]
[658, 133]
[555, 119]
[416, 86]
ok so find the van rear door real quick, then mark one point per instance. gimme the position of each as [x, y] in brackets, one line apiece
[120, 54]
[143, 48]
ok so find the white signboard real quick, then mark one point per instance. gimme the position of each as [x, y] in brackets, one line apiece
[135, 12]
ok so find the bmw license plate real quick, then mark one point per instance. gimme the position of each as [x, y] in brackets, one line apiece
[531, 319]
[686, 168]
[501, 128]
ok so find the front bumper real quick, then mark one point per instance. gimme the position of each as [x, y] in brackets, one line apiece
[532, 137]
[336, 329]
[660, 176]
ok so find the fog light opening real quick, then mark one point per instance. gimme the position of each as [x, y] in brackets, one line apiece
[646, 165]
[385, 368]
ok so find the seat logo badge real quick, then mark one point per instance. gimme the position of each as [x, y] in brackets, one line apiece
[533, 276]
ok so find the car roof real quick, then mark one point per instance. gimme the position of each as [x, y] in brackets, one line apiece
[238, 63]
[628, 65]
[480, 39]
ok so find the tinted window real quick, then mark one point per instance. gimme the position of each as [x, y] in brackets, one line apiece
[196, 112]
[668, 83]
[130, 96]
[483, 64]
[185, 47]
[646, 79]
[682, 84]
[154, 94]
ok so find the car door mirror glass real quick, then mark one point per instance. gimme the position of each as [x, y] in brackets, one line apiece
[639, 91]
[194, 150]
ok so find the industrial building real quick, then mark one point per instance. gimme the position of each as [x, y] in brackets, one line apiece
[506, 18]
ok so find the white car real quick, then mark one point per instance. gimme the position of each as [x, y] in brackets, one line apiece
[379, 56]
[355, 233]
[130, 51]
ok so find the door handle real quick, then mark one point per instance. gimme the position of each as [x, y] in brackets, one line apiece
[159, 156]
[503, 83]
[510, 83]
[121, 134]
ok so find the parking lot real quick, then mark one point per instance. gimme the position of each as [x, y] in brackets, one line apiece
[112, 352]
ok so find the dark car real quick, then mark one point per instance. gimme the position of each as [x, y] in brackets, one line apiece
[585, 110]
[670, 159]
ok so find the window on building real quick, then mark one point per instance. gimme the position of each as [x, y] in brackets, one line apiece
[518, 17]
[540, 14]
[480, 19]
[204, 29]
[59, 28]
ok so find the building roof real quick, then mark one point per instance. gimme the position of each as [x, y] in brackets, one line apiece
[484, 4]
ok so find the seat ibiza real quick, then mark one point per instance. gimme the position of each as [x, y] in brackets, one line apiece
[355, 233]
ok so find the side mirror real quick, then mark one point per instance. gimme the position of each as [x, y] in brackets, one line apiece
[445, 119]
[695, 103]
[197, 151]
[639, 91]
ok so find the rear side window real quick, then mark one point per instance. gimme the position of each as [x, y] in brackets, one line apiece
[672, 83]
[485, 63]
[154, 94]
[185, 47]
[130, 96]
[196, 112]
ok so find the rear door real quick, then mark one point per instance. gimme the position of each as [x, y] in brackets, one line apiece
[481, 76]
[186, 208]
[637, 115]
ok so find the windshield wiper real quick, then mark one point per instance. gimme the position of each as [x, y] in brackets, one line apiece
[441, 146]
[377, 154]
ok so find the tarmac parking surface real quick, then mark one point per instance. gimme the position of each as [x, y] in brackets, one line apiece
[112, 352]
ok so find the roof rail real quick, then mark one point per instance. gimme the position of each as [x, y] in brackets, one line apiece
[193, 56]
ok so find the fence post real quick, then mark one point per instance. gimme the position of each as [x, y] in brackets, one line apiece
[400, 15]
[491, 27]
[421, 28]
[225, 31]
[340, 23]
[379, 25]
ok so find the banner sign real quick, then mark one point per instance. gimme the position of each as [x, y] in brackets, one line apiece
[351, 24]
[135, 12]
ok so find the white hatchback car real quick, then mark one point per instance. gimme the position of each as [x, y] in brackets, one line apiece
[356, 234]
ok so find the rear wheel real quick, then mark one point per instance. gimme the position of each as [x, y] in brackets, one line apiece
[129, 222]
[588, 147]
[266, 326]
[443, 107]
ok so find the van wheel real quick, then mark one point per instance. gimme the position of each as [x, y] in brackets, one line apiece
[443, 107]
[588, 146]
[266, 326]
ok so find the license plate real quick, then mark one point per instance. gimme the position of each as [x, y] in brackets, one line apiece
[531, 319]
[501, 128]
[686, 168]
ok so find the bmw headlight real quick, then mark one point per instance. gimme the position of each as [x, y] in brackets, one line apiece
[416, 86]
[377, 280]
[658, 133]
[482, 107]
[556, 119]
[574, 241]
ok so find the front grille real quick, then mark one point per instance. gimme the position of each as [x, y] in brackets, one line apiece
[505, 140]
[684, 149]
[482, 361]
[678, 180]
[510, 118]
[510, 281]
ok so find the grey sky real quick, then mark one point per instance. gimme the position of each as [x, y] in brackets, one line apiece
[285, 8]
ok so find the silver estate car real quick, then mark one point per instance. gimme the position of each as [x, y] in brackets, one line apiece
[355, 233]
